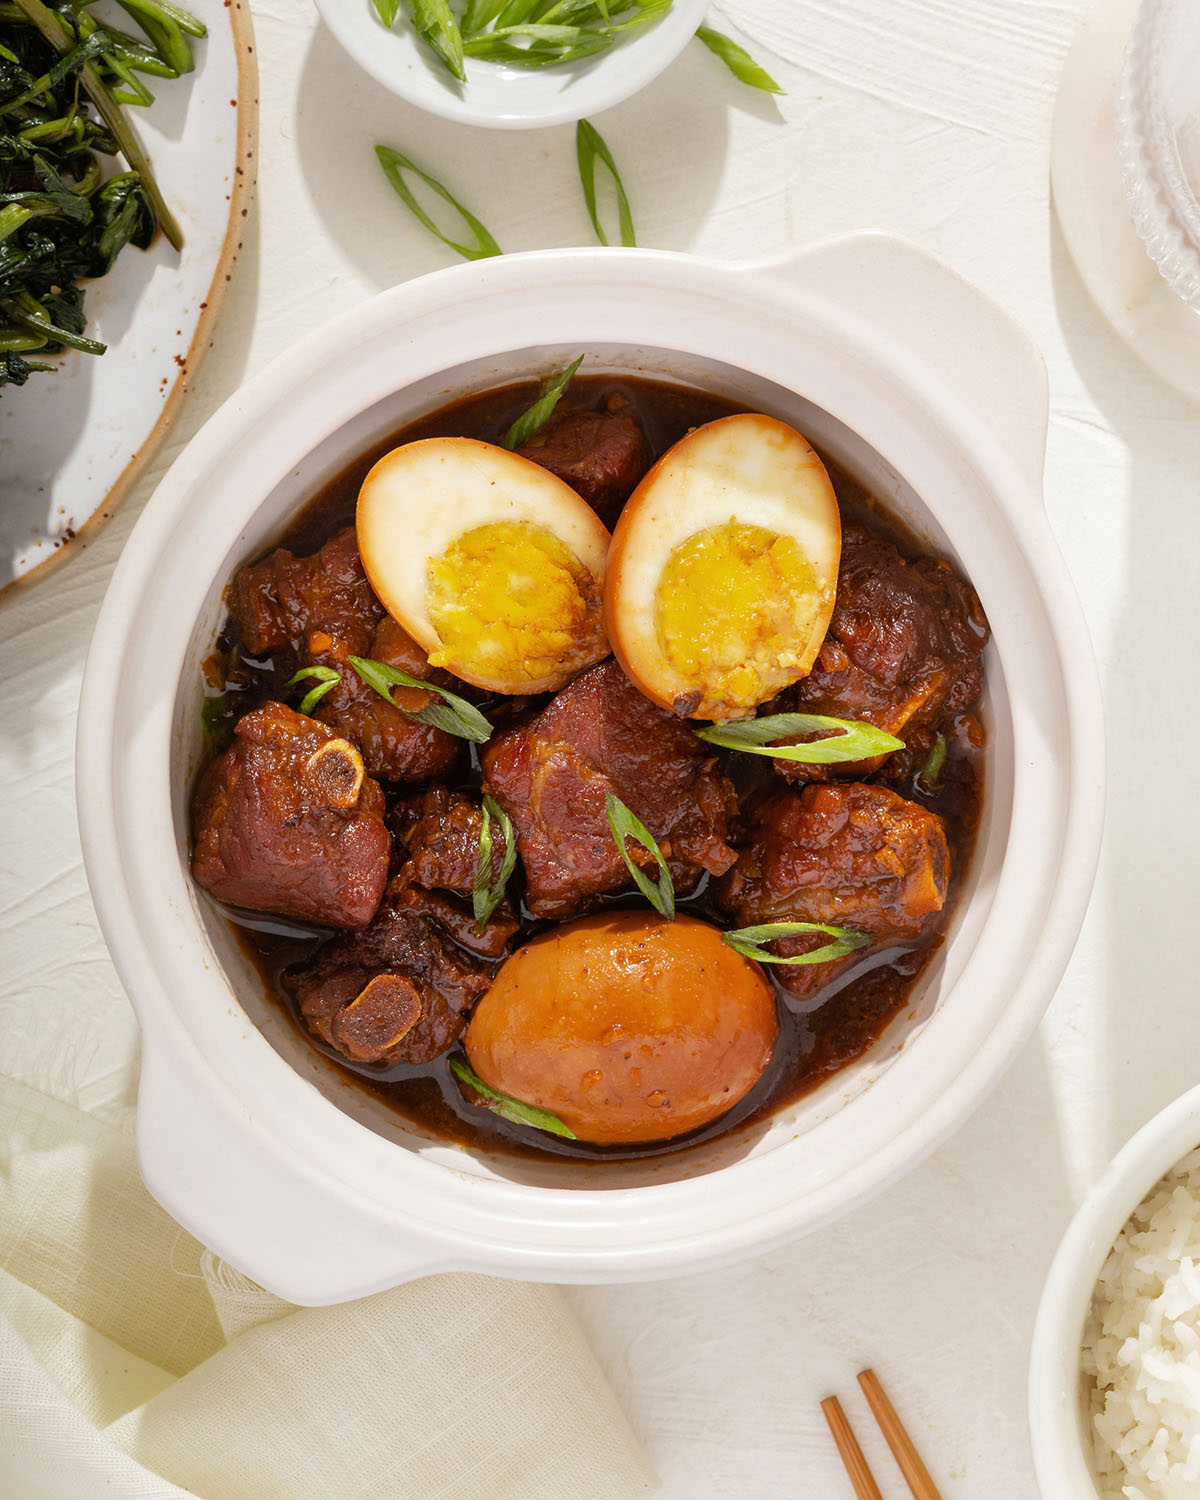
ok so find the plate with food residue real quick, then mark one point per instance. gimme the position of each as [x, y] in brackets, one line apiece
[73, 438]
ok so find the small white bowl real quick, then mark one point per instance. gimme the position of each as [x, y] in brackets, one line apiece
[1058, 1415]
[502, 96]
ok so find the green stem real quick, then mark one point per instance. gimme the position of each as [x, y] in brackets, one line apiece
[13, 215]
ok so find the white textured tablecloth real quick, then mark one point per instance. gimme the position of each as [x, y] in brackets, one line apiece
[930, 118]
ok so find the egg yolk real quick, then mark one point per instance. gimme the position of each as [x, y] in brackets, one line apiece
[512, 603]
[733, 611]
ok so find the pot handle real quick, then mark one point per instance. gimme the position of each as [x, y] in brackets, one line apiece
[948, 335]
[252, 1206]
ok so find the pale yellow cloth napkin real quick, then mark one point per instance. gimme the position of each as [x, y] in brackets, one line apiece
[136, 1366]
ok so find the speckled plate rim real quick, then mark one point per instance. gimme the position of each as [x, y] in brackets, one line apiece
[241, 194]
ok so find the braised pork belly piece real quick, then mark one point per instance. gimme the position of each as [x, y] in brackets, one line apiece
[552, 772]
[287, 821]
[848, 854]
[439, 830]
[904, 649]
[400, 991]
[278, 601]
[601, 454]
[322, 609]
[394, 746]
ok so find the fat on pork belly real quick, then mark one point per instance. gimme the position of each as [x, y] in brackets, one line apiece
[287, 821]
[551, 773]
[601, 454]
[904, 650]
[845, 854]
[402, 989]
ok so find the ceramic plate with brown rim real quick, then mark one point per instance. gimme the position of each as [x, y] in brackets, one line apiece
[72, 443]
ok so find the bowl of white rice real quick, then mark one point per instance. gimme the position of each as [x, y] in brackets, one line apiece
[1114, 1391]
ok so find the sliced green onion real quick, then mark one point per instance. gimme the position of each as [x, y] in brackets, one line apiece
[737, 60]
[479, 14]
[936, 759]
[590, 148]
[436, 26]
[326, 678]
[454, 714]
[847, 739]
[489, 887]
[395, 164]
[507, 1107]
[500, 49]
[750, 941]
[624, 824]
[530, 421]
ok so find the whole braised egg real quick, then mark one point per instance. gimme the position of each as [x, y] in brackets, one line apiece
[492, 564]
[723, 568]
[627, 1027]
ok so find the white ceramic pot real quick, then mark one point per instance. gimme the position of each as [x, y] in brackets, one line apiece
[904, 374]
[1058, 1413]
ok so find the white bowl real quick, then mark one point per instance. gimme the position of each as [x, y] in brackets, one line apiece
[1058, 1414]
[498, 94]
[904, 374]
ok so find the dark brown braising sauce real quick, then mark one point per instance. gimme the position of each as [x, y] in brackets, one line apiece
[817, 1036]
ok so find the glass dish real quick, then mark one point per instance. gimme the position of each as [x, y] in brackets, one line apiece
[1158, 135]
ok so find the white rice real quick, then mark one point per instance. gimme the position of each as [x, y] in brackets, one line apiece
[1141, 1348]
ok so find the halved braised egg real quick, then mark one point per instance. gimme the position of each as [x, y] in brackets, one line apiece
[723, 568]
[491, 563]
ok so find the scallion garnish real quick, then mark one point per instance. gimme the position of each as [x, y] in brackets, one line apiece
[326, 678]
[529, 421]
[590, 148]
[521, 33]
[489, 887]
[395, 164]
[737, 60]
[506, 1106]
[454, 714]
[435, 24]
[934, 761]
[625, 824]
[846, 739]
[750, 941]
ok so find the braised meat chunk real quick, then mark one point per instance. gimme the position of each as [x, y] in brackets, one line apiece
[400, 991]
[552, 772]
[601, 454]
[394, 747]
[904, 647]
[278, 601]
[848, 854]
[438, 834]
[287, 821]
[439, 831]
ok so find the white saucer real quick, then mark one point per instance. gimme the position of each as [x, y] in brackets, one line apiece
[1090, 201]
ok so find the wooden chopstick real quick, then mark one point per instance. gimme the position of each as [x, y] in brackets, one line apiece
[852, 1455]
[905, 1454]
